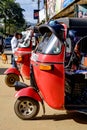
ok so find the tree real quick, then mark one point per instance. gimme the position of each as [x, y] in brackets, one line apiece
[12, 14]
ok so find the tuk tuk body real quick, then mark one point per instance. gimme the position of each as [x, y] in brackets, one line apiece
[22, 57]
[22, 68]
[46, 71]
[52, 53]
[51, 81]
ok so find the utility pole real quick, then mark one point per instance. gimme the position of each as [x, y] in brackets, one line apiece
[45, 5]
[45, 2]
[38, 9]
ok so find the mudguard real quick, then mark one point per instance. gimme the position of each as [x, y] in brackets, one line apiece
[12, 70]
[28, 92]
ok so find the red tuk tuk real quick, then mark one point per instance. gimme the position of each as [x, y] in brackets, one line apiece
[51, 81]
[22, 69]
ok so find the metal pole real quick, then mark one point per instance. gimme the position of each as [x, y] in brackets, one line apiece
[46, 11]
[38, 9]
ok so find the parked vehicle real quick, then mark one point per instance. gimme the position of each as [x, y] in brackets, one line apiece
[1, 45]
[7, 42]
[22, 58]
[60, 86]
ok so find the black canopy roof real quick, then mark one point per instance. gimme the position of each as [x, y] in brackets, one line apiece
[79, 25]
[74, 22]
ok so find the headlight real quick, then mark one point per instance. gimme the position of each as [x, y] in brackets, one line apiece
[18, 58]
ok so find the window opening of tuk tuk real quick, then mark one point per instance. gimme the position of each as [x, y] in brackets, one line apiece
[50, 44]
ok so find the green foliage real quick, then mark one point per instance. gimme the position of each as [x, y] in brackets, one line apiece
[12, 14]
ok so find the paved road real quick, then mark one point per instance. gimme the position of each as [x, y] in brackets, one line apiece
[53, 120]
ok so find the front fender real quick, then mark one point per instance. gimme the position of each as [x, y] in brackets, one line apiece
[12, 70]
[28, 92]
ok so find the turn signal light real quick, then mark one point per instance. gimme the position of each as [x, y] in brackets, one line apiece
[19, 59]
[45, 67]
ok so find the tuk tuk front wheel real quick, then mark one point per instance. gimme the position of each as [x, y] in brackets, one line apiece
[26, 108]
[10, 79]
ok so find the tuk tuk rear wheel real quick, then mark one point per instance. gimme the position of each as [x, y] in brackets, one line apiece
[26, 108]
[10, 79]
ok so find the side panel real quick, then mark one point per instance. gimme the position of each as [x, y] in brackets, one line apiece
[25, 67]
[51, 83]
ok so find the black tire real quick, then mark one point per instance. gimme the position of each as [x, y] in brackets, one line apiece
[10, 79]
[26, 108]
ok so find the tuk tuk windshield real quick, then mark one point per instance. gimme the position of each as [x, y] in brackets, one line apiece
[49, 44]
[24, 44]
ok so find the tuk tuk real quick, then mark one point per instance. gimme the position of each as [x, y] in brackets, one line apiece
[52, 78]
[22, 68]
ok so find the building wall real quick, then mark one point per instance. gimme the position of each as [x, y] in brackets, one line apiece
[55, 6]
[70, 10]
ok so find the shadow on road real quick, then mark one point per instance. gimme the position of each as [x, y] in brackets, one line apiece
[78, 117]
[2, 70]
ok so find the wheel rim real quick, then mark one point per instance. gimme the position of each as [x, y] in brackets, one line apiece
[26, 107]
[10, 79]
